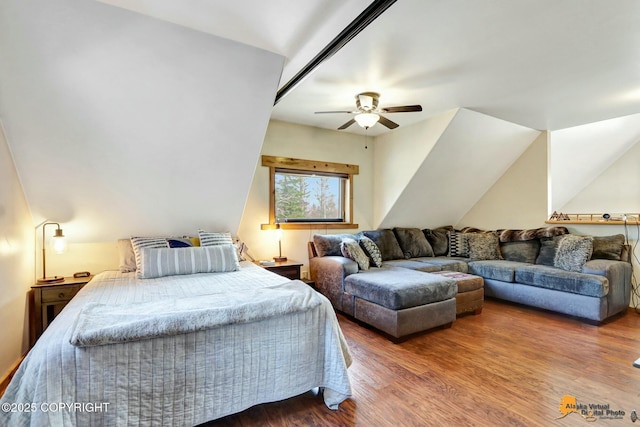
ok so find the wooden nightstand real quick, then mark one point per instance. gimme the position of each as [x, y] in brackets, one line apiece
[289, 269]
[50, 299]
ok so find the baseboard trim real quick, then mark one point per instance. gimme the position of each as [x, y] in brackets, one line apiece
[6, 379]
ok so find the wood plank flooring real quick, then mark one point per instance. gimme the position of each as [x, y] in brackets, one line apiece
[510, 365]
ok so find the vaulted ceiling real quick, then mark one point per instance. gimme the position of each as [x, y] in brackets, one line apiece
[544, 64]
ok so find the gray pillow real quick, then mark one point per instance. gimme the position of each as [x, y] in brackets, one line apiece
[352, 250]
[573, 252]
[413, 242]
[521, 251]
[329, 244]
[386, 241]
[438, 238]
[483, 246]
[608, 247]
[548, 248]
[371, 250]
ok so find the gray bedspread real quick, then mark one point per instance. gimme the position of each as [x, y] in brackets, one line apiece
[181, 379]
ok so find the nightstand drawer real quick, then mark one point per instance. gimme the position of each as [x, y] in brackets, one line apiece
[290, 272]
[59, 293]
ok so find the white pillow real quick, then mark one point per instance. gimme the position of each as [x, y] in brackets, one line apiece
[146, 242]
[208, 238]
[159, 262]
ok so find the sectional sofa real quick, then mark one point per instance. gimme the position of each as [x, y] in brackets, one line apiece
[382, 277]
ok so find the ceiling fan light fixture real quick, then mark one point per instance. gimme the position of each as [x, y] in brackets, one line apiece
[366, 120]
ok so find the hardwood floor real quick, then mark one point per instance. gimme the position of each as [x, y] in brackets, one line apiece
[510, 365]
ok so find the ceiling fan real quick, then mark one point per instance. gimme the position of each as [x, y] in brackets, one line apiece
[368, 113]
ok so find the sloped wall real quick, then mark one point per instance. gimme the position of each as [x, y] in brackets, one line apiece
[519, 198]
[123, 124]
[471, 154]
[16, 262]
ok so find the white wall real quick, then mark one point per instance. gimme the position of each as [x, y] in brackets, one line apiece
[472, 153]
[122, 124]
[519, 198]
[304, 142]
[16, 262]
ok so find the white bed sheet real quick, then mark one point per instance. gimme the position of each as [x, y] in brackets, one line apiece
[178, 380]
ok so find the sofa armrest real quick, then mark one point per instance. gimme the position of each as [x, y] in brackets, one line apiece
[618, 273]
[328, 273]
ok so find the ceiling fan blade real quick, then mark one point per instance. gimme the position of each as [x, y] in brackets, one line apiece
[331, 112]
[388, 123]
[402, 109]
[346, 125]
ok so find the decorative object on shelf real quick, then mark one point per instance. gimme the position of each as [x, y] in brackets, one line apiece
[279, 258]
[58, 245]
[594, 218]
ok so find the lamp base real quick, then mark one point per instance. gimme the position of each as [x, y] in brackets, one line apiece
[279, 258]
[54, 279]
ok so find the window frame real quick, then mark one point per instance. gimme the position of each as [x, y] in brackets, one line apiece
[310, 166]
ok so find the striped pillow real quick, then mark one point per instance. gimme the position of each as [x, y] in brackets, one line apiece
[159, 262]
[208, 238]
[146, 242]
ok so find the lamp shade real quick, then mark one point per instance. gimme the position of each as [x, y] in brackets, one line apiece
[366, 120]
[58, 242]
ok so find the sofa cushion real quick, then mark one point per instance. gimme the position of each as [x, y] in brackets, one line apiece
[608, 247]
[521, 251]
[483, 246]
[573, 251]
[399, 288]
[329, 244]
[447, 263]
[386, 241]
[562, 280]
[352, 250]
[411, 264]
[502, 270]
[548, 248]
[413, 242]
[438, 239]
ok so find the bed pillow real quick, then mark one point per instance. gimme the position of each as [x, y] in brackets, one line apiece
[160, 262]
[413, 242]
[352, 250]
[372, 250]
[208, 238]
[126, 256]
[608, 247]
[138, 243]
[573, 252]
[175, 242]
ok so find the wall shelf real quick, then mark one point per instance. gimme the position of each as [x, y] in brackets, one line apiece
[592, 219]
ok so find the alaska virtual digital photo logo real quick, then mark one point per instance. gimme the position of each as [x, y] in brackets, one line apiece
[589, 411]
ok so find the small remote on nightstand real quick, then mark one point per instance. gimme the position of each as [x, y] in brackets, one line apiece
[636, 363]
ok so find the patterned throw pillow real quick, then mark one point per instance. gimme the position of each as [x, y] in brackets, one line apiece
[352, 250]
[159, 262]
[371, 249]
[573, 252]
[458, 245]
[146, 242]
[483, 246]
[208, 238]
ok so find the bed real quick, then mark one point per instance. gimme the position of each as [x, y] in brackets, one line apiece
[174, 376]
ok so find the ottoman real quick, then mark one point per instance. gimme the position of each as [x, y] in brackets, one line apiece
[399, 301]
[470, 297]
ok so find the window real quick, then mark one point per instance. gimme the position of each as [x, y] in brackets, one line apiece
[307, 193]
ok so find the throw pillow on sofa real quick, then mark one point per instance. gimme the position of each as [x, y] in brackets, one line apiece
[573, 252]
[438, 238]
[413, 242]
[521, 251]
[608, 247]
[372, 250]
[386, 241]
[458, 246]
[352, 250]
[329, 244]
[483, 246]
[548, 248]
